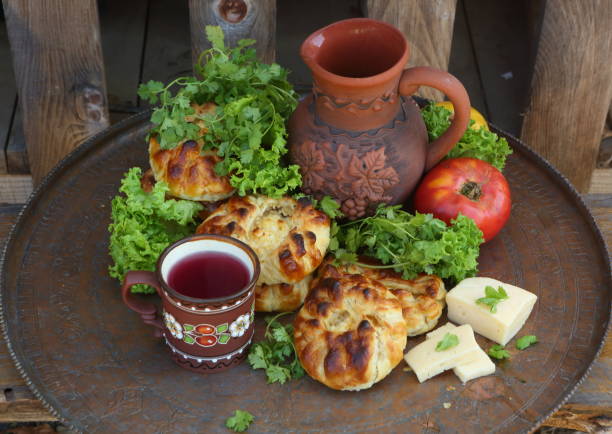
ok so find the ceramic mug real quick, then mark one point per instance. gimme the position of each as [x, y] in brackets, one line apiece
[205, 335]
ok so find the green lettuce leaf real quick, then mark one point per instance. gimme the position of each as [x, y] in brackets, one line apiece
[481, 144]
[144, 224]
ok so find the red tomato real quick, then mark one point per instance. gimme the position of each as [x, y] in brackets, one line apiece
[468, 186]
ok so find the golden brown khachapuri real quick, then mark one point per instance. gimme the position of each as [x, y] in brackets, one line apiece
[189, 171]
[290, 238]
[423, 299]
[350, 333]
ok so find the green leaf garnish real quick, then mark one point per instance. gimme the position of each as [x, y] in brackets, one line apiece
[240, 421]
[144, 224]
[410, 243]
[448, 341]
[493, 298]
[276, 354]
[482, 144]
[526, 341]
[497, 352]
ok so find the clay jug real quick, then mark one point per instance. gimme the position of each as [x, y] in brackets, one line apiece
[359, 136]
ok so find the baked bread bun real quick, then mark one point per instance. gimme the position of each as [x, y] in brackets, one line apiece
[350, 333]
[189, 172]
[423, 299]
[281, 296]
[290, 238]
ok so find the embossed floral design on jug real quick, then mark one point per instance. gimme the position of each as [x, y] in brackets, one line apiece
[359, 137]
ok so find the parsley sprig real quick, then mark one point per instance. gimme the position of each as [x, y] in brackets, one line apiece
[248, 129]
[276, 354]
[526, 341]
[448, 341]
[493, 297]
[410, 244]
[498, 352]
[240, 421]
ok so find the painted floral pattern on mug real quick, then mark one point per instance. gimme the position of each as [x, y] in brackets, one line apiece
[207, 335]
[173, 326]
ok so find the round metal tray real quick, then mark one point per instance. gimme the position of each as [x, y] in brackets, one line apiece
[99, 369]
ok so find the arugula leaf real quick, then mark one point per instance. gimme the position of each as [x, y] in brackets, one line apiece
[497, 352]
[448, 341]
[144, 224]
[493, 298]
[248, 129]
[481, 144]
[276, 354]
[526, 341]
[240, 421]
[411, 244]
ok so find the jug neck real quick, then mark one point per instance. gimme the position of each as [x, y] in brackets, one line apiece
[356, 65]
[352, 108]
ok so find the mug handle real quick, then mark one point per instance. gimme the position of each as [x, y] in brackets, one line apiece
[147, 310]
[409, 83]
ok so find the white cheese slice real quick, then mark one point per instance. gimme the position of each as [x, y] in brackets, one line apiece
[479, 365]
[500, 326]
[426, 362]
[473, 365]
[441, 331]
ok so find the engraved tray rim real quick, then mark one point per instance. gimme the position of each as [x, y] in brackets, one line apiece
[25, 369]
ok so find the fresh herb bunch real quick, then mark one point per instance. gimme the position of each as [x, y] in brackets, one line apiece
[276, 354]
[144, 224]
[493, 297]
[248, 129]
[411, 244]
[240, 421]
[482, 144]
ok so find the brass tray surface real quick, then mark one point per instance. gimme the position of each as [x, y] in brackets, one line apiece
[99, 369]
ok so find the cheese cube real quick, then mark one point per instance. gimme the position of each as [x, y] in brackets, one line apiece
[473, 365]
[500, 326]
[426, 362]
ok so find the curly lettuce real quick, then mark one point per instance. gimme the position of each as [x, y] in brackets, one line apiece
[481, 144]
[144, 224]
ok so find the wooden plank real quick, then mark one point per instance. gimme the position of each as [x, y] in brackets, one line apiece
[60, 76]
[428, 27]
[295, 22]
[462, 61]
[16, 150]
[17, 403]
[571, 87]
[8, 94]
[601, 181]
[583, 418]
[15, 188]
[500, 32]
[122, 27]
[167, 51]
[239, 19]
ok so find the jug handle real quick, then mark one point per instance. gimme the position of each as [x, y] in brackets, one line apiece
[409, 83]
